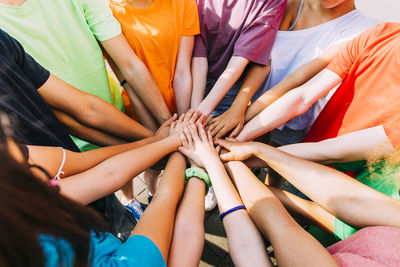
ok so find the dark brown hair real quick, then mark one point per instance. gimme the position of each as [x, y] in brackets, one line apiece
[29, 208]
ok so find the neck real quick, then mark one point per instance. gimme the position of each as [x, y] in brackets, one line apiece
[140, 3]
[13, 2]
[337, 11]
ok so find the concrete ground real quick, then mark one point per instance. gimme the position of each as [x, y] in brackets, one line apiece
[216, 246]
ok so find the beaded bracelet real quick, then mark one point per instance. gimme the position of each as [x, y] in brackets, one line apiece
[222, 215]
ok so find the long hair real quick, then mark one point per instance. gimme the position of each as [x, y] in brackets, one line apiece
[30, 207]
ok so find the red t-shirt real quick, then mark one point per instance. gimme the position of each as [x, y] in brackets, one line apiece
[369, 95]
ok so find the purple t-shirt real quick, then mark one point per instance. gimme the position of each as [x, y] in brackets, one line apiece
[371, 246]
[245, 28]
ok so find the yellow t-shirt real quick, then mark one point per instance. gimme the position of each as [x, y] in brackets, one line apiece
[155, 32]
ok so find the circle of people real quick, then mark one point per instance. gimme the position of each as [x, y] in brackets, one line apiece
[203, 94]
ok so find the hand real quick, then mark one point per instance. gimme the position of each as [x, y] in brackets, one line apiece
[164, 130]
[230, 119]
[237, 151]
[198, 145]
[184, 120]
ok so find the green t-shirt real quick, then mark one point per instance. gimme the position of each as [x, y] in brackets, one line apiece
[62, 36]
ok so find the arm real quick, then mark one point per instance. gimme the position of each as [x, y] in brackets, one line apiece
[245, 243]
[143, 114]
[189, 226]
[234, 117]
[225, 82]
[292, 104]
[331, 189]
[94, 136]
[91, 110]
[113, 173]
[157, 222]
[353, 146]
[293, 80]
[50, 157]
[199, 79]
[182, 82]
[138, 76]
[275, 222]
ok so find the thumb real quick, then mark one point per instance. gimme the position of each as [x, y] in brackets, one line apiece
[185, 151]
[237, 130]
[223, 143]
[170, 120]
[229, 156]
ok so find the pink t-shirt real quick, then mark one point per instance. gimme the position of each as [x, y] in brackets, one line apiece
[245, 28]
[371, 246]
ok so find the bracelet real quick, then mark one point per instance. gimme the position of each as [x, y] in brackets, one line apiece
[199, 173]
[123, 82]
[222, 215]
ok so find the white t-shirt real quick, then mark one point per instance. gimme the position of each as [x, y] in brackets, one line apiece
[293, 49]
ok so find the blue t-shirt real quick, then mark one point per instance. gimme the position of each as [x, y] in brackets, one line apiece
[105, 250]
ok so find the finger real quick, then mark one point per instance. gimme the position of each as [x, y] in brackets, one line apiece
[229, 156]
[183, 139]
[218, 148]
[237, 130]
[231, 139]
[181, 118]
[209, 119]
[203, 119]
[222, 132]
[202, 133]
[210, 138]
[173, 125]
[223, 143]
[169, 121]
[193, 132]
[216, 130]
[188, 136]
[211, 125]
[188, 115]
[194, 117]
[185, 151]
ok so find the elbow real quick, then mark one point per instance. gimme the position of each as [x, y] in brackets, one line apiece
[299, 101]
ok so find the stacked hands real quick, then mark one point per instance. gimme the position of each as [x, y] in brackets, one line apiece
[197, 140]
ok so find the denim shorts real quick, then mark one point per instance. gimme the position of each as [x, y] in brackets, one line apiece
[228, 99]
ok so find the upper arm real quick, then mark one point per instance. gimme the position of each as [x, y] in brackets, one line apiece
[184, 56]
[318, 86]
[60, 95]
[100, 19]
[121, 53]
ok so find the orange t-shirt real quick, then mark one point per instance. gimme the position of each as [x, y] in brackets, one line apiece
[155, 32]
[369, 95]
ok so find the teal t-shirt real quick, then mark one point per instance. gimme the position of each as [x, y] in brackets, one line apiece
[62, 36]
[105, 250]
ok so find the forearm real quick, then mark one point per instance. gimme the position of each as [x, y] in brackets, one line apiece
[255, 76]
[292, 104]
[293, 80]
[84, 132]
[147, 89]
[274, 221]
[224, 83]
[189, 226]
[199, 80]
[323, 184]
[183, 91]
[115, 172]
[245, 243]
[353, 146]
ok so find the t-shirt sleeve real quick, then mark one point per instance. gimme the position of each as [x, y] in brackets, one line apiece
[138, 250]
[199, 49]
[345, 58]
[33, 70]
[392, 130]
[100, 19]
[191, 18]
[256, 40]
